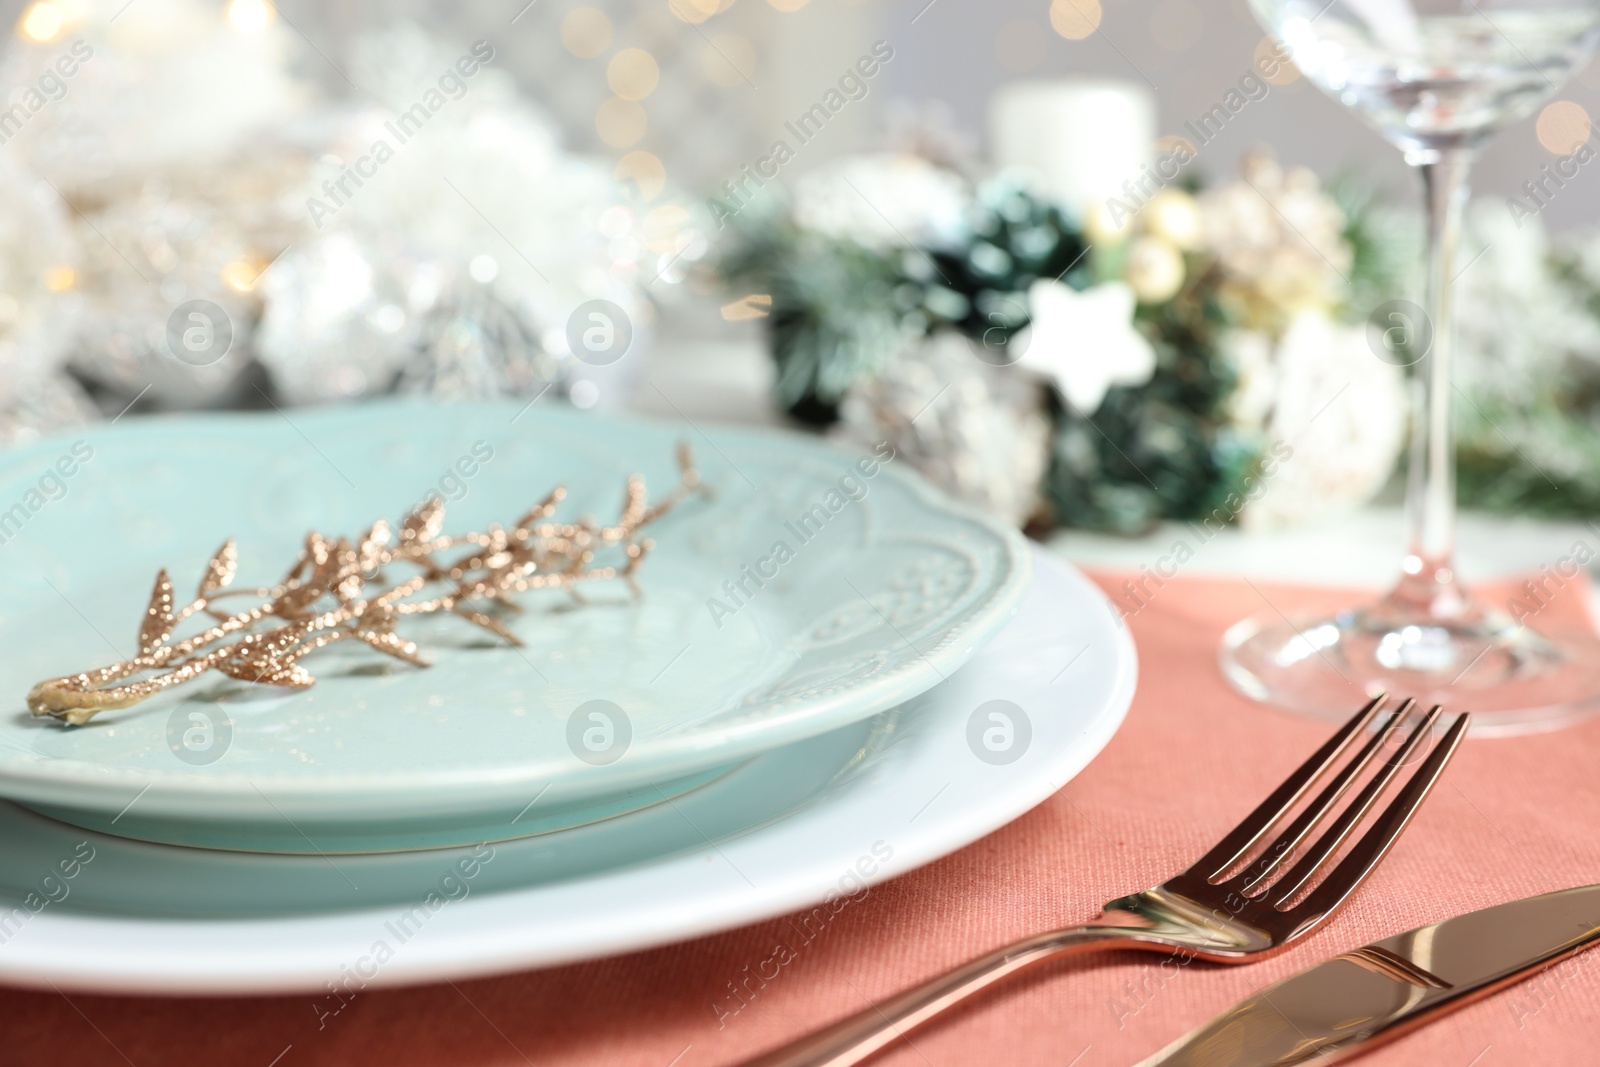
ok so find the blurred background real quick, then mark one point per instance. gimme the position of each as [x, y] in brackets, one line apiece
[809, 212]
[731, 73]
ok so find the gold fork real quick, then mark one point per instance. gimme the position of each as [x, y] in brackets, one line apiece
[1223, 908]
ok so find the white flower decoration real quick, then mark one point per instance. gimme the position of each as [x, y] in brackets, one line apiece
[1342, 414]
[1085, 342]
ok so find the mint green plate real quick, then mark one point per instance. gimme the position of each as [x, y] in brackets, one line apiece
[884, 588]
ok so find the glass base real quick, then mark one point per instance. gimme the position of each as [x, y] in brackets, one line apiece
[1426, 640]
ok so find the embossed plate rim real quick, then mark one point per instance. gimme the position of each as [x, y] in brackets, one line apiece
[44, 779]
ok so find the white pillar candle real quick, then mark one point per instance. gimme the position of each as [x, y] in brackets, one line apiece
[1075, 140]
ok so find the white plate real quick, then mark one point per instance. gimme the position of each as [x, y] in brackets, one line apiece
[786, 830]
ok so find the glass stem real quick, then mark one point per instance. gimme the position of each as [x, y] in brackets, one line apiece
[1429, 580]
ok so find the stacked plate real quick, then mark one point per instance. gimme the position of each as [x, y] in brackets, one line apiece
[831, 676]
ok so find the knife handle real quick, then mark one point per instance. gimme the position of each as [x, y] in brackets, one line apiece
[853, 1039]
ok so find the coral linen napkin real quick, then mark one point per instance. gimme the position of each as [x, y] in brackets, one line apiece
[1512, 817]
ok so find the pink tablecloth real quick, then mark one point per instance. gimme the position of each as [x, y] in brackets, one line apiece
[1512, 817]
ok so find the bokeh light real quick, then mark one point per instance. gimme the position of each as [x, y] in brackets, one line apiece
[645, 170]
[633, 74]
[1155, 270]
[1104, 226]
[1276, 71]
[250, 14]
[1075, 19]
[41, 22]
[697, 11]
[60, 278]
[241, 274]
[1564, 127]
[620, 123]
[1173, 215]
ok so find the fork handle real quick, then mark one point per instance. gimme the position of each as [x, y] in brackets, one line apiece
[854, 1039]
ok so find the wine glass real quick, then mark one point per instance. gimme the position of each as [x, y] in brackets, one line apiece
[1437, 78]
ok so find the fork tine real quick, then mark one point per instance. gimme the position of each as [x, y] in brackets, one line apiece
[1376, 841]
[1350, 817]
[1240, 839]
[1282, 850]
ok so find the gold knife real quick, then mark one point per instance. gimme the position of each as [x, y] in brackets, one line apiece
[1387, 988]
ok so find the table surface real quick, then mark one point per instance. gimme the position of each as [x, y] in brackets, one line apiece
[1512, 817]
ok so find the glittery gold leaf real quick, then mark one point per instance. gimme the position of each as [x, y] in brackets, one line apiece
[258, 656]
[372, 546]
[348, 585]
[394, 645]
[293, 676]
[158, 620]
[289, 675]
[219, 572]
[424, 523]
[310, 580]
[544, 509]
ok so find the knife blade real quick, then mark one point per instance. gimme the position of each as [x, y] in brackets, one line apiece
[1383, 990]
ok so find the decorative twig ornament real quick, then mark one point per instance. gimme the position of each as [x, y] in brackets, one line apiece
[324, 598]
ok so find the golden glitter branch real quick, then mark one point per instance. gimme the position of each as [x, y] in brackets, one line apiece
[324, 598]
